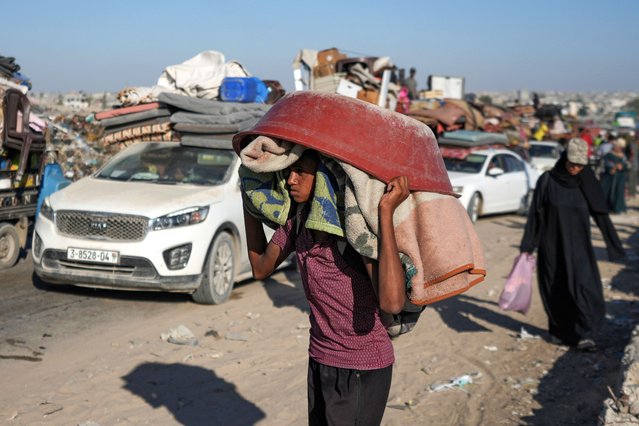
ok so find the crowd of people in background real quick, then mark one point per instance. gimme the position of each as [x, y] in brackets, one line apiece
[613, 154]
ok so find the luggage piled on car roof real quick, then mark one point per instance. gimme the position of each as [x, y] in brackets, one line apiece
[22, 140]
[331, 71]
[203, 98]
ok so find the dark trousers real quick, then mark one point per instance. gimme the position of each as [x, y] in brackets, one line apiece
[339, 396]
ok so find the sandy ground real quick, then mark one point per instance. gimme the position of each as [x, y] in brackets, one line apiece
[249, 366]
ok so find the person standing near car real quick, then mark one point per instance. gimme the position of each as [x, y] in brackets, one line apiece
[350, 352]
[558, 226]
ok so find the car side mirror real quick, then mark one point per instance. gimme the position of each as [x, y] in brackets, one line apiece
[495, 171]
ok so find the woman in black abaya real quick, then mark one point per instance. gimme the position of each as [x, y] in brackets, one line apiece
[559, 226]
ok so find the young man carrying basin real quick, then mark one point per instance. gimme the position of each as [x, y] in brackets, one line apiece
[350, 352]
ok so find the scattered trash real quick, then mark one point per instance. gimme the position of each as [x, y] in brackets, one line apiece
[456, 382]
[180, 336]
[251, 315]
[213, 333]
[523, 335]
[426, 370]
[405, 406]
[303, 326]
[188, 357]
[53, 410]
[236, 336]
[526, 383]
[215, 355]
[491, 348]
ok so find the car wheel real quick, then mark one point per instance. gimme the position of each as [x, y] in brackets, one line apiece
[474, 207]
[219, 275]
[9, 245]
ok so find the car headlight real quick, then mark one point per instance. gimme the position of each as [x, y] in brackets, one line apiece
[458, 189]
[191, 216]
[46, 210]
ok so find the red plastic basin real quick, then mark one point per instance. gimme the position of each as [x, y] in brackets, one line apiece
[380, 142]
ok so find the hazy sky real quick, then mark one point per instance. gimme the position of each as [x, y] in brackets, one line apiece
[567, 45]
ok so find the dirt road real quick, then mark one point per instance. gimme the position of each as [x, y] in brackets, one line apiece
[72, 356]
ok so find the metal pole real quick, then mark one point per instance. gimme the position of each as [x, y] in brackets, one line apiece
[383, 92]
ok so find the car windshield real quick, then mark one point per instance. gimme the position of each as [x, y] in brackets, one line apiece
[471, 164]
[543, 151]
[170, 163]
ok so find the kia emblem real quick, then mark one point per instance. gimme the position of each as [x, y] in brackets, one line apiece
[97, 225]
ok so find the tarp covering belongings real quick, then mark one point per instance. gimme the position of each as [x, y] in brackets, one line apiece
[186, 104]
[10, 76]
[440, 249]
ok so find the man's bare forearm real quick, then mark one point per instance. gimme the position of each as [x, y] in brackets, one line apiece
[391, 279]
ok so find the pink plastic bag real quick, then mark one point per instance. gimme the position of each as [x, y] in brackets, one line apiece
[517, 291]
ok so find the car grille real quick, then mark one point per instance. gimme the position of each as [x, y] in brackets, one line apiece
[115, 227]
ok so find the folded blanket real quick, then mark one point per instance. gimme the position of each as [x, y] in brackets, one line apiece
[135, 117]
[196, 130]
[210, 141]
[213, 119]
[206, 106]
[142, 123]
[439, 248]
[168, 136]
[160, 131]
[126, 110]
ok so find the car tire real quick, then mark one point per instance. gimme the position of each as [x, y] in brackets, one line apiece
[474, 207]
[9, 245]
[219, 273]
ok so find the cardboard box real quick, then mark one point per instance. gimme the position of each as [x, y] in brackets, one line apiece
[432, 94]
[323, 70]
[326, 60]
[366, 95]
[348, 88]
[329, 56]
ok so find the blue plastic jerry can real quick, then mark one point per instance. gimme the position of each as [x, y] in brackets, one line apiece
[52, 180]
[243, 89]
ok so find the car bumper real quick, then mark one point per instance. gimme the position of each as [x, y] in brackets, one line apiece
[141, 264]
[131, 274]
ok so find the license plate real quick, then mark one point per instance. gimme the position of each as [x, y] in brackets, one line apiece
[90, 255]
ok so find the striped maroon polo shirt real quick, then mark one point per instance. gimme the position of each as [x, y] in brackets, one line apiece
[346, 330]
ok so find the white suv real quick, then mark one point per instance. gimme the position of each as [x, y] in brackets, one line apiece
[158, 216]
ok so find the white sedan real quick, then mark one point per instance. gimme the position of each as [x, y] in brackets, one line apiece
[158, 216]
[544, 154]
[492, 181]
